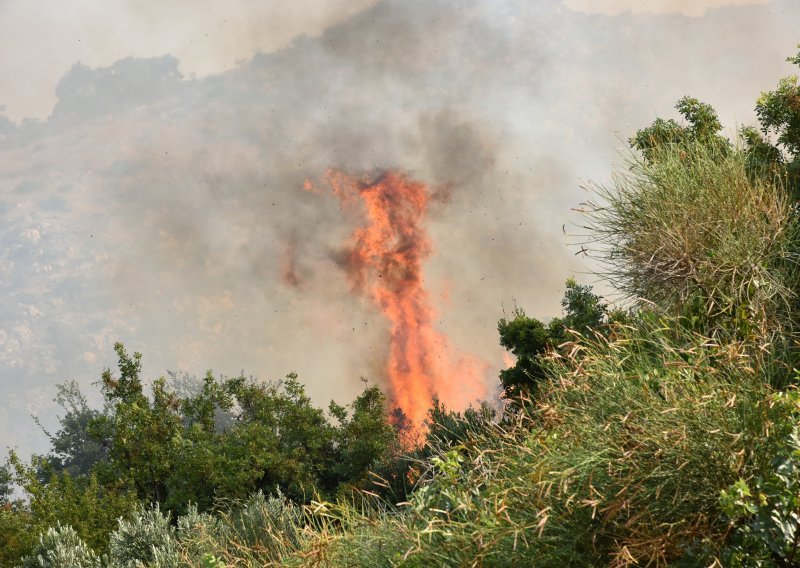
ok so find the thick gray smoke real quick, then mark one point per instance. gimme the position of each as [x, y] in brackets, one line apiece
[169, 212]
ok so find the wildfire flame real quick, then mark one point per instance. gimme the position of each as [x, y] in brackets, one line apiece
[385, 261]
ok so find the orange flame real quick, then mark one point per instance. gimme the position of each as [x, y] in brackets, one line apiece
[384, 260]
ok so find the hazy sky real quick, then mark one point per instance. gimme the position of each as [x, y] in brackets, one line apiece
[152, 157]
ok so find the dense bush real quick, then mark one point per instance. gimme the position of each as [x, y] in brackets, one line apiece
[61, 547]
[529, 339]
[258, 531]
[621, 462]
[692, 232]
[146, 538]
[764, 511]
[87, 507]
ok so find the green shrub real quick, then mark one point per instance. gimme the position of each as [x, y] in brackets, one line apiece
[764, 511]
[17, 535]
[261, 529]
[198, 534]
[61, 547]
[88, 507]
[147, 538]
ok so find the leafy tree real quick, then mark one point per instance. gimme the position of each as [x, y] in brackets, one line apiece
[362, 436]
[204, 416]
[73, 447]
[584, 311]
[209, 408]
[83, 503]
[778, 112]
[140, 433]
[170, 451]
[230, 437]
[127, 388]
[702, 126]
[222, 439]
[16, 537]
[6, 485]
[529, 339]
[280, 439]
[159, 445]
[763, 157]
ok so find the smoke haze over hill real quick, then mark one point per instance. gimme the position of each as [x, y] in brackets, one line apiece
[165, 210]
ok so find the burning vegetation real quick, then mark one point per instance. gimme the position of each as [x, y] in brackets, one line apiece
[384, 260]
